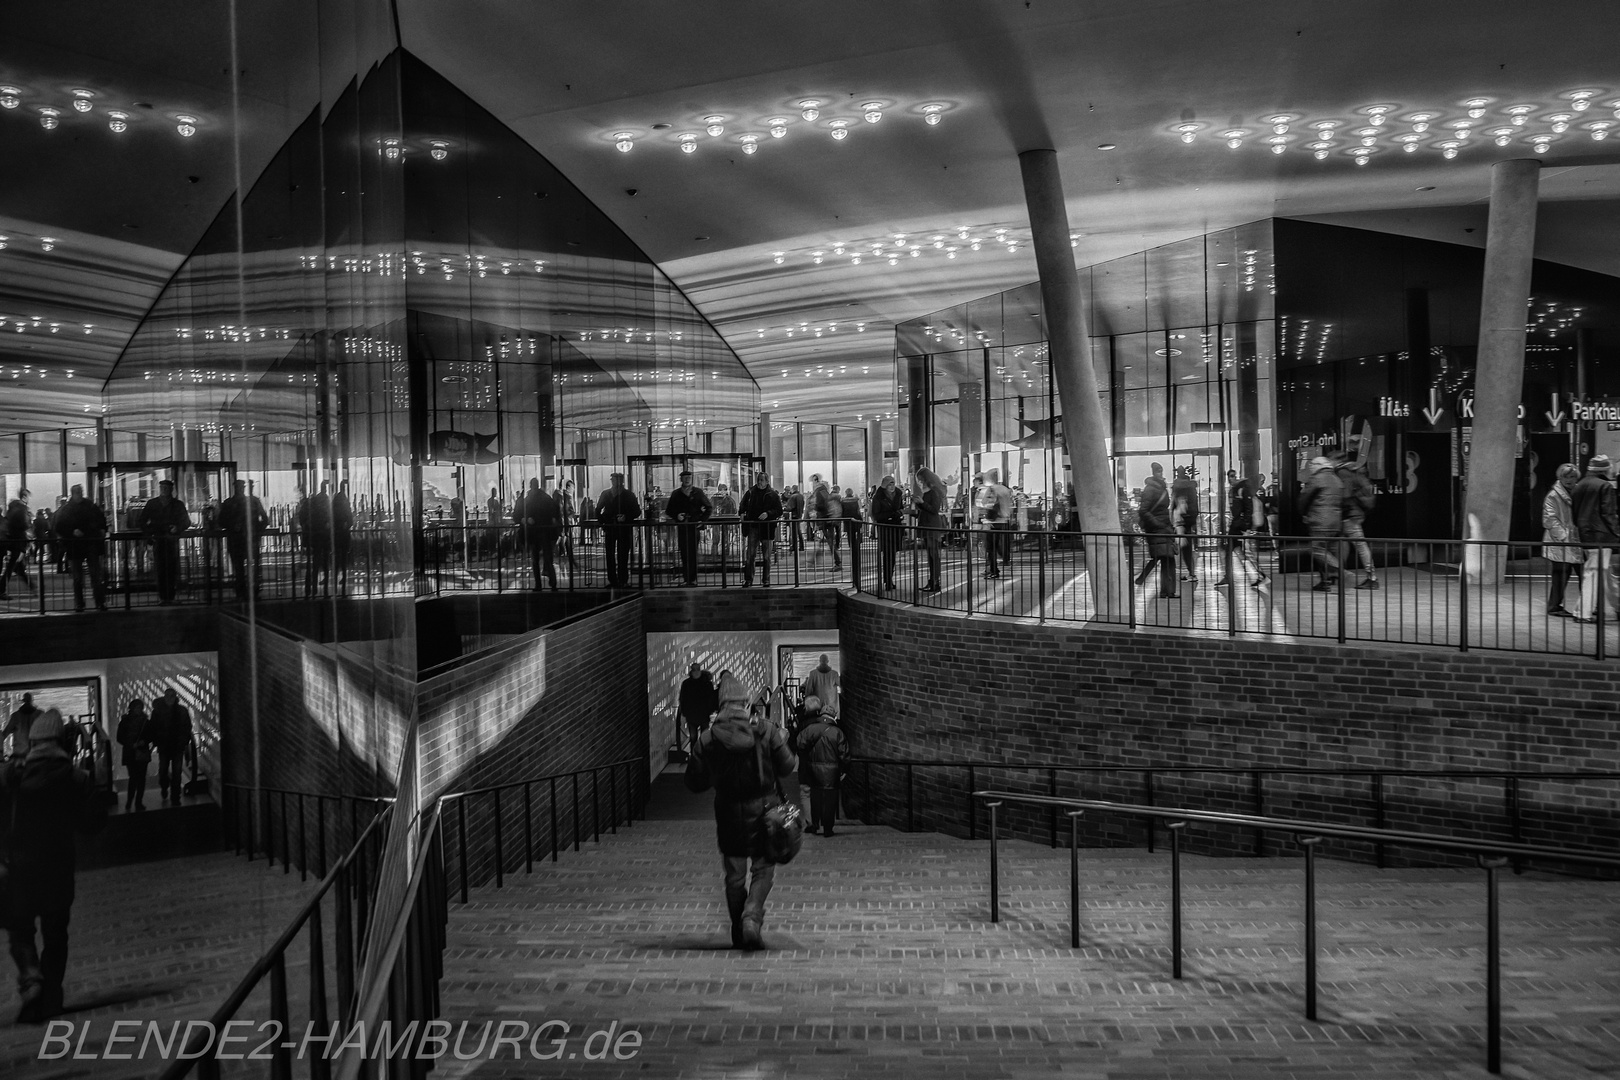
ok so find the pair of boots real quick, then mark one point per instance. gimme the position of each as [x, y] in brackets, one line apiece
[744, 929]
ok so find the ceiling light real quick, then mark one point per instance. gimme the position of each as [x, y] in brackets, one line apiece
[750, 143]
[716, 126]
[1560, 121]
[81, 100]
[1543, 143]
[1600, 129]
[1279, 123]
[933, 113]
[1320, 155]
[872, 111]
[1582, 99]
[810, 109]
[1449, 148]
[1520, 113]
[688, 143]
[1377, 114]
[1409, 143]
[840, 129]
[1464, 128]
[441, 149]
[815, 257]
[47, 243]
[778, 126]
[1362, 153]
[118, 122]
[623, 141]
[186, 126]
[839, 250]
[49, 118]
[779, 256]
[10, 97]
[1234, 137]
[1476, 106]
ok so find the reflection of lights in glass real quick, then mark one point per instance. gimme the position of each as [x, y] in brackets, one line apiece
[838, 250]
[778, 126]
[750, 143]
[1462, 128]
[49, 118]
[716, 126]
[810, 108]
[1362, 153]
[688, 143]
[392, 151]
[840, 129]
[186, 126]
[10, 97]
[117, 122]
[1320, 155]
[623, 141]
[1279, 143]
[933, 113]
[816, 256]
[872, 111]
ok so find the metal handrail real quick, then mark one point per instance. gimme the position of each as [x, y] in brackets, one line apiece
[260, 800]
[273, 963]
[1492, 856]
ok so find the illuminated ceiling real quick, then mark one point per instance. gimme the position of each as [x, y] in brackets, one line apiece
[738, 221]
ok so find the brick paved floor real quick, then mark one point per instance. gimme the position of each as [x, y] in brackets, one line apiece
[163, 941]
[882, 961]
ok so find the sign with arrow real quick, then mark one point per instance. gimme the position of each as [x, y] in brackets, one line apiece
[1434, 412]
[1555, 415]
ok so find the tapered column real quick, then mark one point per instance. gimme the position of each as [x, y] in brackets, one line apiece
[1510, 241]
[874, 453]
[1069, 349]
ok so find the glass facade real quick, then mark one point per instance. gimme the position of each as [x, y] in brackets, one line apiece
[1256, 348]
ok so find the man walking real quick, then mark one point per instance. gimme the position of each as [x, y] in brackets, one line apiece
[539, 520]
[1321, 507]
[163, 520]
[1593, 503]
[888, 519]
[44, 800]
[823, 683]
[616, 508]
[743, 762]
[995, 505]
[1240, 528]
[1358, 500]
[243, 520]
[81, 527]
[690, 507]
[342, 533]
[696, 702]
[760, 510]
[171, 734]
[823, 746]
[1153, 518]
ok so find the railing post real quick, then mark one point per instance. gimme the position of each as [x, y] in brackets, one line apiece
[1129, 543]
[1462, 602]
[1378, 815]
[613, 800]
[553, 819]
[320, 825]
[1175, 897]
[500, 846]
[1051, 811]
[528, 827]
[303, 842]
[596, 809]
[995, 869]
[281, 1051]
[1344, 586]
[320, 1067]
[1493, 966]
[973, 804]
[911, 805]
[1309, 844]
[1147, 798]
[1041, 548]
[343, 938]
[1074, 878]
[1510, 793]
[575, 780]
[286, 848]
[461, 841]
[1258, 795]
[967, 550]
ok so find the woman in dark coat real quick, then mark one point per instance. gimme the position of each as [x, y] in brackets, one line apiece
[741, 761]
[135, 736]
[824, 752]
[1153, 517]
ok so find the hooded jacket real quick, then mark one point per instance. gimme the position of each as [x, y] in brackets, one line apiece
[1321, 501]
[1593, 505]
[823, 683]
[823, 746]
[1558, 524]
[741, 761]
[44, 800]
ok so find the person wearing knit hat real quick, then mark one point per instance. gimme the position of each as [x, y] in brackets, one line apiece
[44, 799]
[824, 752]
[742, 761]
[1592, 505]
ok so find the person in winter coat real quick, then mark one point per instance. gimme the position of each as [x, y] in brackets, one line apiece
[1184, 517]
[824, 749]
[44, 800]
[1558, 525]
[760, 510]
[1321, 507]
[851, 513]
[691, 507]
[1153, 518]
[1357, 500]
[163, 520]
[888, 521]
[1592, 503]
[134, 734]
[823, 683]
[243, 520]
[795, 510]
[742, 762]
[616, 508]
[539, 522]
[994, 502]
[171, 734]
[14, 543]
[930, 510]
[696, 702]
[827, 510]
[82, 529]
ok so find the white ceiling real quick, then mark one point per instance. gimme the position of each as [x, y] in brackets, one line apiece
[1015, 74]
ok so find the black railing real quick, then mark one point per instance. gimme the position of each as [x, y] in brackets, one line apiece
[1368, 793]
[297, 828]
[1491, 857]
[505, 818]
[348, 888]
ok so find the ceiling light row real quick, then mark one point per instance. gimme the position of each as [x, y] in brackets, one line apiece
[776, 127]
[422, 263]
[46, 243]
[395, 150]
[23, 324]
[896, 246]
[83, 101]
[807, 330]
[1389, 126]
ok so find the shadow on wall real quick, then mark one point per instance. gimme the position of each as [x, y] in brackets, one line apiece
[195, 678]
[746, 654]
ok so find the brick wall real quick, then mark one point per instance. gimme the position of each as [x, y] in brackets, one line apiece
[677, 610]
[559, 699]
[941, 686]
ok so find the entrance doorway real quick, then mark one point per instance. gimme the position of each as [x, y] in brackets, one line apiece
[1207, 469]
[79, 702]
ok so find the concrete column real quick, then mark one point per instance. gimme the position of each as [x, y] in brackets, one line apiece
[1069, 349]
[874, 454]
[762, 441]
[1510, 241]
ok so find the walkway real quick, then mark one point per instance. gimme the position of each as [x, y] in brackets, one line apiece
[160, 941]
[882, 962]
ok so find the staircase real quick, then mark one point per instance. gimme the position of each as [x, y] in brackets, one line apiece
[882, 960]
